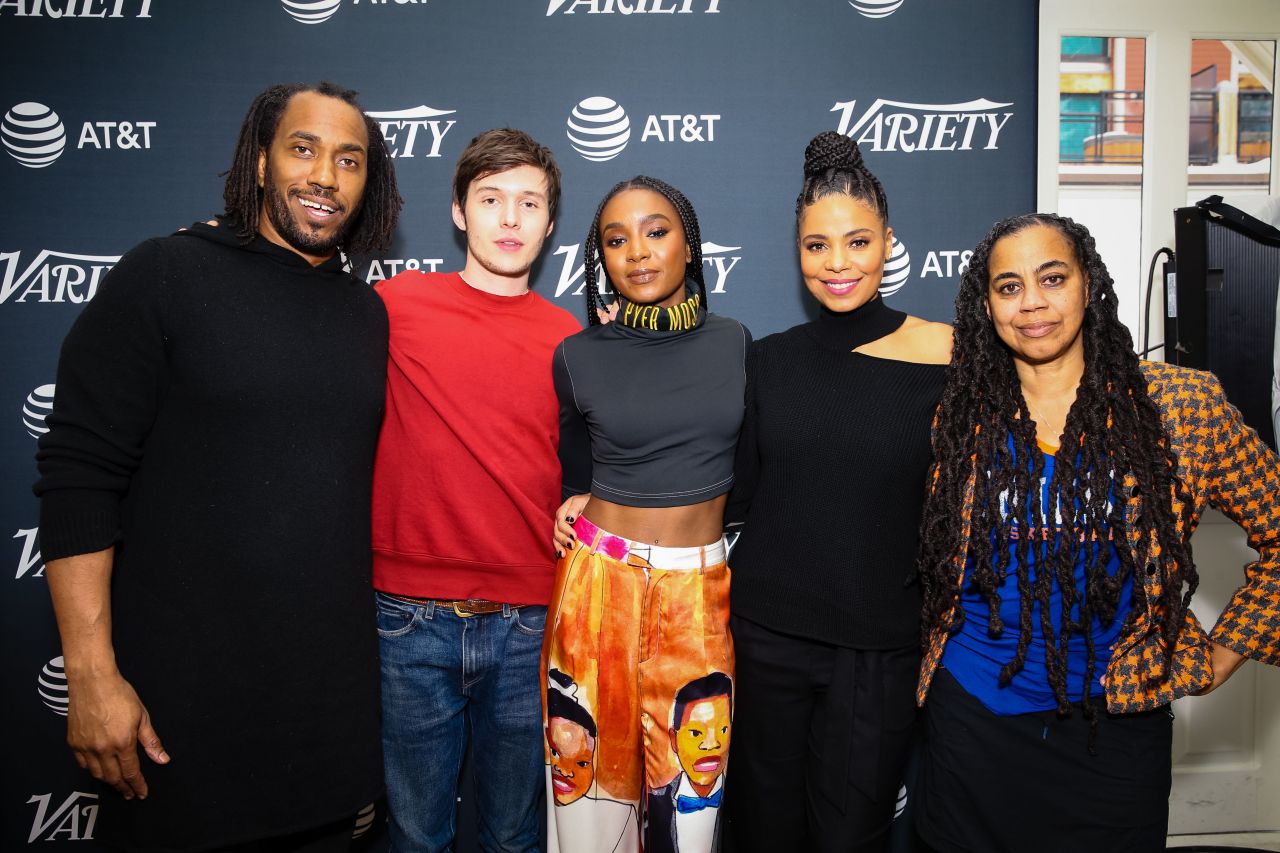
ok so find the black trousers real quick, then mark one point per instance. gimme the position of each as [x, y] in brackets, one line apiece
[821, 735]
[1028, 783]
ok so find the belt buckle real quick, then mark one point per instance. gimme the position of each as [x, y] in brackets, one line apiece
[458, 611]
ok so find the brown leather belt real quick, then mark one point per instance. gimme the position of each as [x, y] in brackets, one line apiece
[463, 607]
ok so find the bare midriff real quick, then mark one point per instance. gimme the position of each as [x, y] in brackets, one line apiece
[668, 526]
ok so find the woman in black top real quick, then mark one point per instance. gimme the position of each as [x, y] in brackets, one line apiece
[637, 630]
[829, 482]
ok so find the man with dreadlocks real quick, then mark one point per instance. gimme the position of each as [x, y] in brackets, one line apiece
[1068, 478]
[205, 501]
[640, 606]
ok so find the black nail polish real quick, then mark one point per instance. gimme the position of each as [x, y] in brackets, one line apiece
[569, 518]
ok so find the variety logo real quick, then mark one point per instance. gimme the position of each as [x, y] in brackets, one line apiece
[876, 8]
[33, 134]
[408, 130]
[903, 126]
[38, 406]
[599, 128]
[896, 270]
[718, 261]
[53, 686]
[634, 7]
[311, 11]
[53, 276]
[72, 820]
[88, 8]
[30, 554]
[364, 820]
[380, 270]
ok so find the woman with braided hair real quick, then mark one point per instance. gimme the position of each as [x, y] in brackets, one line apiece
[1068, 477]
[830, 473]
[639, 611]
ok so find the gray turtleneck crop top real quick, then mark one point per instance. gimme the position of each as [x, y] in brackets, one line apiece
[661, 410]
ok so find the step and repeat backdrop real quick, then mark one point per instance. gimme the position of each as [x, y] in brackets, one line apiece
[118, 116]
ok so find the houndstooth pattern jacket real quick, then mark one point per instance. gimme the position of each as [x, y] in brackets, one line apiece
[1224, 464]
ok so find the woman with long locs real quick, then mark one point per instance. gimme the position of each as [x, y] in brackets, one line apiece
[637, 637]
[1068, 477]
[830, 473]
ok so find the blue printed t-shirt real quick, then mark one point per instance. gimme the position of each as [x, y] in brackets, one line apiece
[975, 657]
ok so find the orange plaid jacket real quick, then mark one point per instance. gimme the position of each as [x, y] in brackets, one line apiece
[1223, 463]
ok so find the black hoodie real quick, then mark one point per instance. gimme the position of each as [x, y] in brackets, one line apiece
[215, 419]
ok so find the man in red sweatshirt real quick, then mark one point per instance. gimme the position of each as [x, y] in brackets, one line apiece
[465, 486]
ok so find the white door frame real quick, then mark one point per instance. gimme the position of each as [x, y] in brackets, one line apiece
[1243, 793]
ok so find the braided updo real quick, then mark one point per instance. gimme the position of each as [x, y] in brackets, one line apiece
[833, 164]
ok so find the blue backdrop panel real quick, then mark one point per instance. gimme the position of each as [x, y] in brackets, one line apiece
[117, 116]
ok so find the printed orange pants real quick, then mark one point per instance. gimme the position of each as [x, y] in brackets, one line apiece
[639, 700]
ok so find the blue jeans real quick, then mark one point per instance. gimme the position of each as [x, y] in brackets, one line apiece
[443, 674]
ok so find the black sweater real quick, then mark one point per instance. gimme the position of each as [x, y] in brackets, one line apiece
[215, 418]
[830, 479]
[660, 410]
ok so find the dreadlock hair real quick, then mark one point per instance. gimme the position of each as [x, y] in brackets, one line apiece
[375, 221]
[833, 166]
[692, 237]
[985, 431]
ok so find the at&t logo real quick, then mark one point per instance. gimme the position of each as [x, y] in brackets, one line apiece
[896, 270]
[903, 126]
[319, 11]
[125, 134]
[311, 11]
[599, 128]
[633, 7]
[37, 407]
[52, 686]
[938, 263]
[876, 8]
[384, 268]
[78, 8]
[718, 261]
[417, 129]
[53, 276]
[30, 558]
[946, 263]
[35, 136]
[71, 820]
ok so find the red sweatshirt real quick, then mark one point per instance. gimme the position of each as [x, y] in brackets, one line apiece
[466, 480]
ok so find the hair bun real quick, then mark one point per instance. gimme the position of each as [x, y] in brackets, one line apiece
[831, 150]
